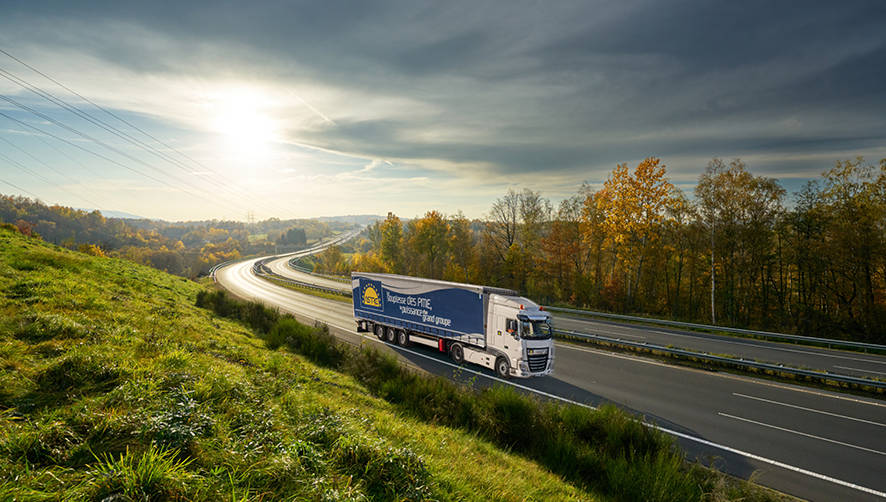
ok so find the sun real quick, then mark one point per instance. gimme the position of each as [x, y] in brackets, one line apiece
[242, 117]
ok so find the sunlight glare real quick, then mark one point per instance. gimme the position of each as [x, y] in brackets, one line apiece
[241, 116]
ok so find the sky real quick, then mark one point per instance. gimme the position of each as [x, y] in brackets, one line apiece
[201, 110]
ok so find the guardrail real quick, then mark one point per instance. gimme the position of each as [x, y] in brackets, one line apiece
[262, 270]
[744, 363]
[829, 342]
[298, 268]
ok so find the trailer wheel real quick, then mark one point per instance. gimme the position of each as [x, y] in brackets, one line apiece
[457, 353]
[402, 338]
[502, 367]
[380, 332]
[391, 335]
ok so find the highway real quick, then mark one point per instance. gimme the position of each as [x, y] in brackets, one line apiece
[799, 356]
[813, 444]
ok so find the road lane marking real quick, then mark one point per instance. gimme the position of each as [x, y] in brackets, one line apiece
[859, 369]
[808, 409]
[762, 424]
[749, 343]
[695, 439]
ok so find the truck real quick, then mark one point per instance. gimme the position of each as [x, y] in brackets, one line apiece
[492, 327]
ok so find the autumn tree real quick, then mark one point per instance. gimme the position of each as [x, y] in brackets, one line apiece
[635, 205]
[741, 211]
[391, 246]
[461, 249]
[428, 239]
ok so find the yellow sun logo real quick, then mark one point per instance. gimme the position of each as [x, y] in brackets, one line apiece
[370, 297]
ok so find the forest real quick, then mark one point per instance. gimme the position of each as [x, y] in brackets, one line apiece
[183, 248]
[739, 252]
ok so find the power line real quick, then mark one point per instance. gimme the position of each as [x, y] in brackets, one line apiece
[109, 128]
[101, 156]
[13, 185]
[121, 119]
[102, 143]
[45, 180]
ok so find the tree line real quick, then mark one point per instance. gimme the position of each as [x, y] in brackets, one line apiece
[739, 253]
[183, 248]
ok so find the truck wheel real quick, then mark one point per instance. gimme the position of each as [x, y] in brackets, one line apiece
[502, 368]
[457, 353]
[391, 335]
[380, 332]
[402, 338]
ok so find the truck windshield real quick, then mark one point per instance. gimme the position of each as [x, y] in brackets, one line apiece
[535, 329]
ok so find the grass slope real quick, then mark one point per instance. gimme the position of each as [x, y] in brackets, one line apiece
[113, 385]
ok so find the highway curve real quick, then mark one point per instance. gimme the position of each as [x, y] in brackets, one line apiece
[834, 361]
[813, 444]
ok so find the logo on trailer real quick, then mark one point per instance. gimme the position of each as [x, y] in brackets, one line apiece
[370, 294]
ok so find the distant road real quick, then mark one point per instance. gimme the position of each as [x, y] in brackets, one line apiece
[839, 440]
[831, 360]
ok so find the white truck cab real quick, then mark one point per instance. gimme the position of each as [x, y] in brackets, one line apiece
[519, 330]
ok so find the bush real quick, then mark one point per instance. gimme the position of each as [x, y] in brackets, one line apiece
[314, 343]
[604, 449]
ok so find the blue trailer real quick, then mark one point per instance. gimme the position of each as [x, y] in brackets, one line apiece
[489, 326]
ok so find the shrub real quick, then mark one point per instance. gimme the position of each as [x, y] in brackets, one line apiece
[605, 449]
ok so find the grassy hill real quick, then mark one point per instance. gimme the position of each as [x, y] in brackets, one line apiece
[112, 381]
[114, 385]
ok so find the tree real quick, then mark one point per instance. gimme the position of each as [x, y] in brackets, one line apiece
[634, 206]
[429, 241]
[461, 248]
[741, 211]
[392, 244]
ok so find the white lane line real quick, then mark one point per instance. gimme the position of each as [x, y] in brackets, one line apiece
[808, 409]
[665, 430]
[801, 433]
[731, 342]
[859, 369]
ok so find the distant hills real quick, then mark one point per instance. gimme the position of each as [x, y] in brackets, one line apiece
[107, 213]
[359, 219]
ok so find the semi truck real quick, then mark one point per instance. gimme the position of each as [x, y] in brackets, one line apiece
[492, 327]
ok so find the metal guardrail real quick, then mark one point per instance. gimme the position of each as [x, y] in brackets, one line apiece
[262, 270]
[829, 342]
[727, 360]
[298, 268]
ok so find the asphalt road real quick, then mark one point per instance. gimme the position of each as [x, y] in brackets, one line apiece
[822, 359]
[812, 444]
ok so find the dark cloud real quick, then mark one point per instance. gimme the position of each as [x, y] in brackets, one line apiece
[536, 86]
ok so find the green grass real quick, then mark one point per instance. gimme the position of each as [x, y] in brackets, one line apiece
[605, 451]
[309, 291]
[114, 385]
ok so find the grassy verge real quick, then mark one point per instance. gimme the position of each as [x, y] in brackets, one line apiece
[115, 386]
[605, 451]
[309, 291]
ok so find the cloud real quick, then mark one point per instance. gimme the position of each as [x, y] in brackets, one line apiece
[470, 94]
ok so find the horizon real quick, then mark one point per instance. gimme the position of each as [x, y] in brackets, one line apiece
[307, 111]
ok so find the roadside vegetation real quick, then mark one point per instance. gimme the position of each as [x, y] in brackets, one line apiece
[114, 384]
[811, 264]
[605, 451]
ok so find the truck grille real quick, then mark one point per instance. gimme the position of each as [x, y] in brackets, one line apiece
[538, 362]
